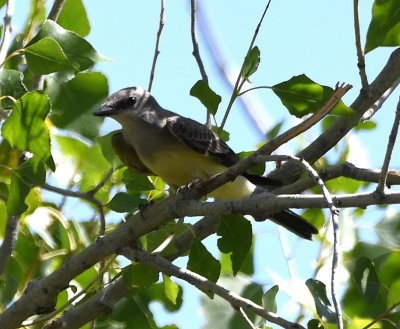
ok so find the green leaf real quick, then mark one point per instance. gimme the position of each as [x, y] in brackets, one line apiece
[171, 289]
[202, 91]
[202, 262]
[25, 128]
[108, 151]
[322, 304]
[384, 29]
[136, 182]
[223, 134]
[124, 202]
[30, 174]
[236, 238]
[314, 324]
[302, 96]
[132, 313]
[388, 230]
[366, 279]
[269, 299]
[251, 62]
[86, 159]
[73, 17]
[139, 275]
[75, 100]
[79, 52]
[11, 84]
[366, 125]
[46, 56]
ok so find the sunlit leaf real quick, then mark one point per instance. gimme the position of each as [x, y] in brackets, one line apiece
[31, 173]
[11, 84]
[202, 91]
[46, 56]
[79, 52]
[302, 96]
[251, 63]
[235, 239]
[171, 289]
[73, 17]
[25, 128]
[384, 29]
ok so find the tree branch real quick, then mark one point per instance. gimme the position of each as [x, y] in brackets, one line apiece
[205, 285]
[103, 302]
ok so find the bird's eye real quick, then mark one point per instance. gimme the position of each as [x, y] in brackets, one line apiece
[131, 101]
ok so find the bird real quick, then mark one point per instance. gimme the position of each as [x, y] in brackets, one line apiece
[156, 141]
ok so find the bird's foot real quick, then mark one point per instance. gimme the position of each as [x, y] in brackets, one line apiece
[143, 207]
[189, 190]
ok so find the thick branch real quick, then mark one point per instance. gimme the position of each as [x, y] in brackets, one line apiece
[205, 285]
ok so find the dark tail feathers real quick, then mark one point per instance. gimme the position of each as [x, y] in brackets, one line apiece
[294, 223]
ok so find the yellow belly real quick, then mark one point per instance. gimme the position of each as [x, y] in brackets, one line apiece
[180, 167]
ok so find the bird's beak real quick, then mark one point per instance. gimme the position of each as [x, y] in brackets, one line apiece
[106, 110]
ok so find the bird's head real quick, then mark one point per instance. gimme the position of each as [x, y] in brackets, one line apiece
[129, 101]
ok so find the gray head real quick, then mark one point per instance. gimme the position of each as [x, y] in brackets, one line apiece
[128, 101]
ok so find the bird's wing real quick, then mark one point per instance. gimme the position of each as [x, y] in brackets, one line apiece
[201, 139]
[127, 154]
[204, 141]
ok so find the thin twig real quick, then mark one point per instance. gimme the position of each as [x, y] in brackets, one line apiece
[6, 39]
[9, 240]
[245, 318]
[335, 223]
[157, 48]
[382, 316]
[251, 105]
[56, 10]
[381, 100]
[196, 51]
[380, 189]
[89, 196]
[200, 282]
[340, 91]
[360, 54]
[239, 81]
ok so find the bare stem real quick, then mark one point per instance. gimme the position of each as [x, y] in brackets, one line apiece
[389, 150]
[157, 48]
[196, 51]
[360, 54]
[6, 39]
[239, 83]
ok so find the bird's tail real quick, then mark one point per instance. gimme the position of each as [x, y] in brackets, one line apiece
[294, 223]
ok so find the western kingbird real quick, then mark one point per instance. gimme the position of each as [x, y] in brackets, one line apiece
[156, 141]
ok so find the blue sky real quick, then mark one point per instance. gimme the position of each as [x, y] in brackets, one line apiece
[312, 37]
